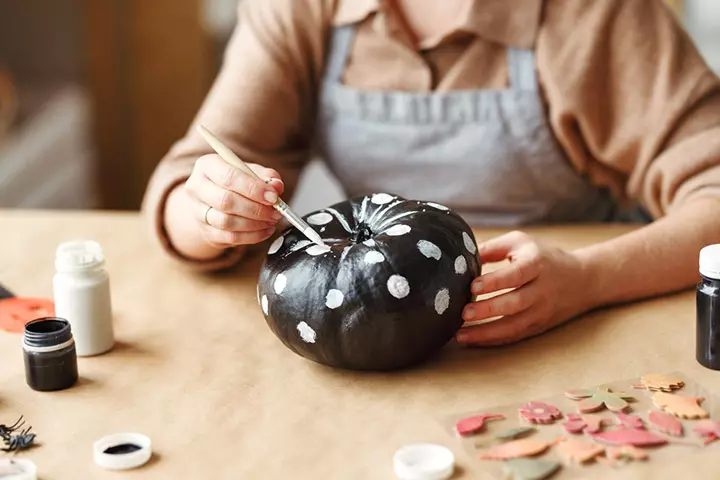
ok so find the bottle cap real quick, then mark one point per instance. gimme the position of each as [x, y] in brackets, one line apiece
[122, 451]
[78, 255]
[17, 469]
[710, 261]
[424, 461]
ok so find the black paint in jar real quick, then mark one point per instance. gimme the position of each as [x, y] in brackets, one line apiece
[708, 308]
[50, 358]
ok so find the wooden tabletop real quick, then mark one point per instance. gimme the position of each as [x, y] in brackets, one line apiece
[196, 369]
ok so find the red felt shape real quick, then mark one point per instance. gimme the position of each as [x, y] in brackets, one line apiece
[471, 425]
[630, 421]
[709, 429]
[579, 423]
[629, 436]
[539, 412]
[666, 423]
[15, 312]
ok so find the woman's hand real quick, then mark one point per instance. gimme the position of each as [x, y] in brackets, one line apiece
[549, 287]
[231, 208]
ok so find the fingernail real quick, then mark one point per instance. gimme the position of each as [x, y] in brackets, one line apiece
[271, 197]
[477, 286]
[276, 216]
[469, 313]
[462, 337]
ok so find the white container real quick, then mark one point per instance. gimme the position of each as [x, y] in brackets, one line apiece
[82, 296]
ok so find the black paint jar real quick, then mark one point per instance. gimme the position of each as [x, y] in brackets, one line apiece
[50, 358]
[708, 308]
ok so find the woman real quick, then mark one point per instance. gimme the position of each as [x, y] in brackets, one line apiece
[512, 112]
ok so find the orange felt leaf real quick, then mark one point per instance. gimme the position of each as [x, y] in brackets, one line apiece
[525, 447]
[665, 383]
[682, 407]
[572, 450]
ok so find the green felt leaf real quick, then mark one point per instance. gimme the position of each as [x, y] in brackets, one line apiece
[531, 469]
[515, 433]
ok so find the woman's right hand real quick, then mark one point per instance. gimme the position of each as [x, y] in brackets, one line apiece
[232, 208]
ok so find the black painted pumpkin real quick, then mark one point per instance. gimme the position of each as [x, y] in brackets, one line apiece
[386, 292]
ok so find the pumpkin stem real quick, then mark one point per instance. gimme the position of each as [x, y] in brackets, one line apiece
[362, 233]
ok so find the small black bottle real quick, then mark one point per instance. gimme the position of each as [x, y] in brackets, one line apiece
[708, 308]
[50, 358]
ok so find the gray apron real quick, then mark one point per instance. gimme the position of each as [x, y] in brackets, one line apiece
[488, 154]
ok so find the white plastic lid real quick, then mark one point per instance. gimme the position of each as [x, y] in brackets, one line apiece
[17, 469]
[710, 261]
[424, 461]
[122, 461]
[78, 255]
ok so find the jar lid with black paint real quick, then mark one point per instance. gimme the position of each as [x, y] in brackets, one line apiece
[49, 352]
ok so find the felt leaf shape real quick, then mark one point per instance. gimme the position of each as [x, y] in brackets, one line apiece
[539, 412]
[574, 451]
[471, 425]
[629, 436]
[630, 421]
[682, 407]
[514, 433]
[665, 383]
[530, 468]
[709, 429]
[593, 400]
[625, 452]
[666, 423]
[524, 447]
[588, 423]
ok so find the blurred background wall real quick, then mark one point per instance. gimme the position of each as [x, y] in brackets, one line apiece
[93, 92]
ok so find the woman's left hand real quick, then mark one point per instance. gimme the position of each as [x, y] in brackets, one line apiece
[549, 287]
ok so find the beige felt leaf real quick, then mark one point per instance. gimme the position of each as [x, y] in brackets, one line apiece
[572, 451]
[682, 407]
[665, 383]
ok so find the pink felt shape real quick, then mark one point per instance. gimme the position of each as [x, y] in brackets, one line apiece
[629, 436]
[525, 447]
[539, 412]
[630, 421]
[666, 423]
[710, 429]
[593, 400]
[579, 423]
[470, 425]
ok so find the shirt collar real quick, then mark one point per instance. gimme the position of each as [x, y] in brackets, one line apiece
[513, 23]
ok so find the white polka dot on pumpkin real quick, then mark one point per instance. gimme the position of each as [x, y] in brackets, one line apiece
[460, 265]
[437, 205]
[381, 198]
[306, 332]
[469, 244]
[265, 304]
[300, 245]
[398, 286]
[369, 243]
[397, 230]
[275, 245]
[374, 257]
[429, 249]
[280, 283]
[316, 250]
[334, 298]
[442, 301]
[322, 218]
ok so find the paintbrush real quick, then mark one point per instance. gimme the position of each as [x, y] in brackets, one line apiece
[282, 207]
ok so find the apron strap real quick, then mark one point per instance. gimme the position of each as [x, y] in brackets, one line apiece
[341, 42]
[521, 69]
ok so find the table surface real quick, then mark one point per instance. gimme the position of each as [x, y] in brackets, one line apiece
[196, 368]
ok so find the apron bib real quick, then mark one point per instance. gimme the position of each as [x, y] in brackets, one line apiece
[487, 154]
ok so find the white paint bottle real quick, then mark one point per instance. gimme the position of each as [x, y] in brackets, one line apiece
[81, 288]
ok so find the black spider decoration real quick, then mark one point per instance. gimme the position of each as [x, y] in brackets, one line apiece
[19, 441]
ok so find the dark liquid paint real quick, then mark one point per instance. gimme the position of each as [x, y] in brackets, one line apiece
[122, 449]
[708, 323]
